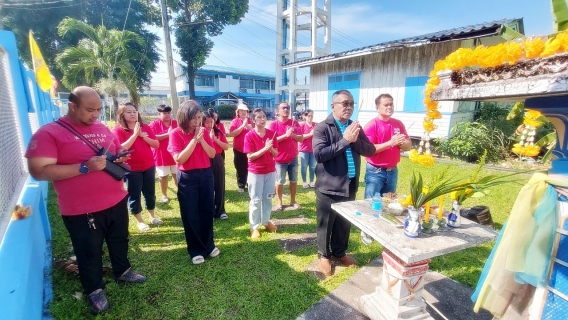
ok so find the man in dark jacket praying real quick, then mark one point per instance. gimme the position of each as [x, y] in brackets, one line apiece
[338, 145]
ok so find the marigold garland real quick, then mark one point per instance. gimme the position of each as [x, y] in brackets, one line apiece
[526, 146]
[509, 52]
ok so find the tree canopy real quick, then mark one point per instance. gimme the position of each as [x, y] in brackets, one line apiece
[105, 59]
[192, 34]
[43, 20]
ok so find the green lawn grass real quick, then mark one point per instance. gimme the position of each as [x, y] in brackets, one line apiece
[249, 279]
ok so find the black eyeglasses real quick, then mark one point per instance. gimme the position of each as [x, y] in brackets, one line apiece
[346, 104]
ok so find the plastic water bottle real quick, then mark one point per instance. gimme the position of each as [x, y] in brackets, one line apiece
[377, 204]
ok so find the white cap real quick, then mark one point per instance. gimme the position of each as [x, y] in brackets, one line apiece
[242, 106]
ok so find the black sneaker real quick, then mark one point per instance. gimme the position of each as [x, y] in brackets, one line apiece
[131, 276]
[97, 301]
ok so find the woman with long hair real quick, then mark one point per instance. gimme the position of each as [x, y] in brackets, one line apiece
[238, 129]
[217, 163]
[307, 159]
[138, 137]
[219, 126]
[192, 150]
[261, 146]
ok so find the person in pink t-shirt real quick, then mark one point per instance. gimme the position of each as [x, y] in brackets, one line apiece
[192, 149]
[307, 159]
[218, 162]
[91, 202]
[389, 137]
[165, 164]
[261, 146]
[288, 134]
[138, 137]
[238, 129]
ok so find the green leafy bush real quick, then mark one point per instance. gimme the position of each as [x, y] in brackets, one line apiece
[490, 131]
[226, 111]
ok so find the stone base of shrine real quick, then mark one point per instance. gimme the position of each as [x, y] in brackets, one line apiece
[400, 294]
[381, 305]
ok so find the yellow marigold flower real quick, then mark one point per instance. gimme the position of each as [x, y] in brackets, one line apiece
[533, 48]
[428, 125]
[434, 81]
[532, 151]
[532, 118]
[563, 40]
[434, 114]
[426, 160]
[454, 195]
[551, 46]
[517, 149]
[514, 52]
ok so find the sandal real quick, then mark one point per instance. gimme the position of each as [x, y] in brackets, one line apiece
[143, 227]
[277, 208]
[296, 206]
[215, 252]
[157, 221]
[197, 260]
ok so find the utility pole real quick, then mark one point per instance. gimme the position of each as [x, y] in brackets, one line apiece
[169, 59]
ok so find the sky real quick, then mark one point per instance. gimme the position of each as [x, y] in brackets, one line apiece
[251, 44]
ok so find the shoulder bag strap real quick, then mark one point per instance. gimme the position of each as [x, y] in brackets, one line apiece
[78, 134]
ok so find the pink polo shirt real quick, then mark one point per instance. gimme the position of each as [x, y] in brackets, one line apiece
[142, 158]
[239, 141]
[265, 163]
[161, 155]
[198, 158]
[306, 145]
[287, 148]
[379, 131]
[84, 193]
[221, 137]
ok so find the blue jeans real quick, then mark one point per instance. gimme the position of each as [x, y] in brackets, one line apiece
[141, 181]
[379, 180]
[291, 168]
[261, 191]
[307, 160]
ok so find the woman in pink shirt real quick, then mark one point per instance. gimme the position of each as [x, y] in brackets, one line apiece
[192, 150]
[261, 146]
[165, 164]
[239, 127]
[217, 163]
[138, 137]
[307, 159]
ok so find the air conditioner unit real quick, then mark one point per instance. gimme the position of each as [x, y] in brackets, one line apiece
[257, 90]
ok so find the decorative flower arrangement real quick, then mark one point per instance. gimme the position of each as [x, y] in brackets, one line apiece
[484, 57]
[526, 146]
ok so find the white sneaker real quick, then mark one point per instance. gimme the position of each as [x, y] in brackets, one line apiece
[312, 184]
[223, 216]
[306, 185]
[164, 199]
[366, 239]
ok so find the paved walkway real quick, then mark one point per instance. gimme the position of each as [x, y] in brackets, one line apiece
[446, 298]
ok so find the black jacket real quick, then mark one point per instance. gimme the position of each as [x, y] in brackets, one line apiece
[329, 150]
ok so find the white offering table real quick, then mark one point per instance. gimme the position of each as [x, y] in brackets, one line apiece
[406, 260]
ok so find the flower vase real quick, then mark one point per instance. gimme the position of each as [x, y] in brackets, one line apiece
[427, 226]
[412, 223]
[454, 218]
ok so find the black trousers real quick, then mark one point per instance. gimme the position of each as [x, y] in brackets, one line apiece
[218, 167]
[111, 226]
[195, 196]
[332, 228]
[241, 165]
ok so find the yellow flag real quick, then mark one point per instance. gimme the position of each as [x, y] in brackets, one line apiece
[43, 77]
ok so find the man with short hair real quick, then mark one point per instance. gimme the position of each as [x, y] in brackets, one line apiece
[288, 133]
[389, 137]
[165, 164]
[338, 145]
[91, 202]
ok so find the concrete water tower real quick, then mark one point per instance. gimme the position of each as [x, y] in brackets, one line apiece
[306, 21]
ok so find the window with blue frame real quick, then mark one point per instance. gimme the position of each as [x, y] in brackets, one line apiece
[204, 81]
[414, 93]
[349, 81]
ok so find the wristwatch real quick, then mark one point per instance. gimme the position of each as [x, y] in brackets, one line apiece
[83, 168]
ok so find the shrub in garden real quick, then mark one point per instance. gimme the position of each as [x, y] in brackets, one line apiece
[226, 111]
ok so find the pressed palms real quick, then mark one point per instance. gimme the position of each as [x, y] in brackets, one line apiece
[104, 59]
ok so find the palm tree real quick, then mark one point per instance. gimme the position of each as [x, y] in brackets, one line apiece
[103, 59]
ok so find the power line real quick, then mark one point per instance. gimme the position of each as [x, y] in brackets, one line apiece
[240, 44]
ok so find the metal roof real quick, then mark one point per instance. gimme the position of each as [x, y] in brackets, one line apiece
[467, 32]
[211, 69]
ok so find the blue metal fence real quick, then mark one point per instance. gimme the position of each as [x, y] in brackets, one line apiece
[25, 247]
